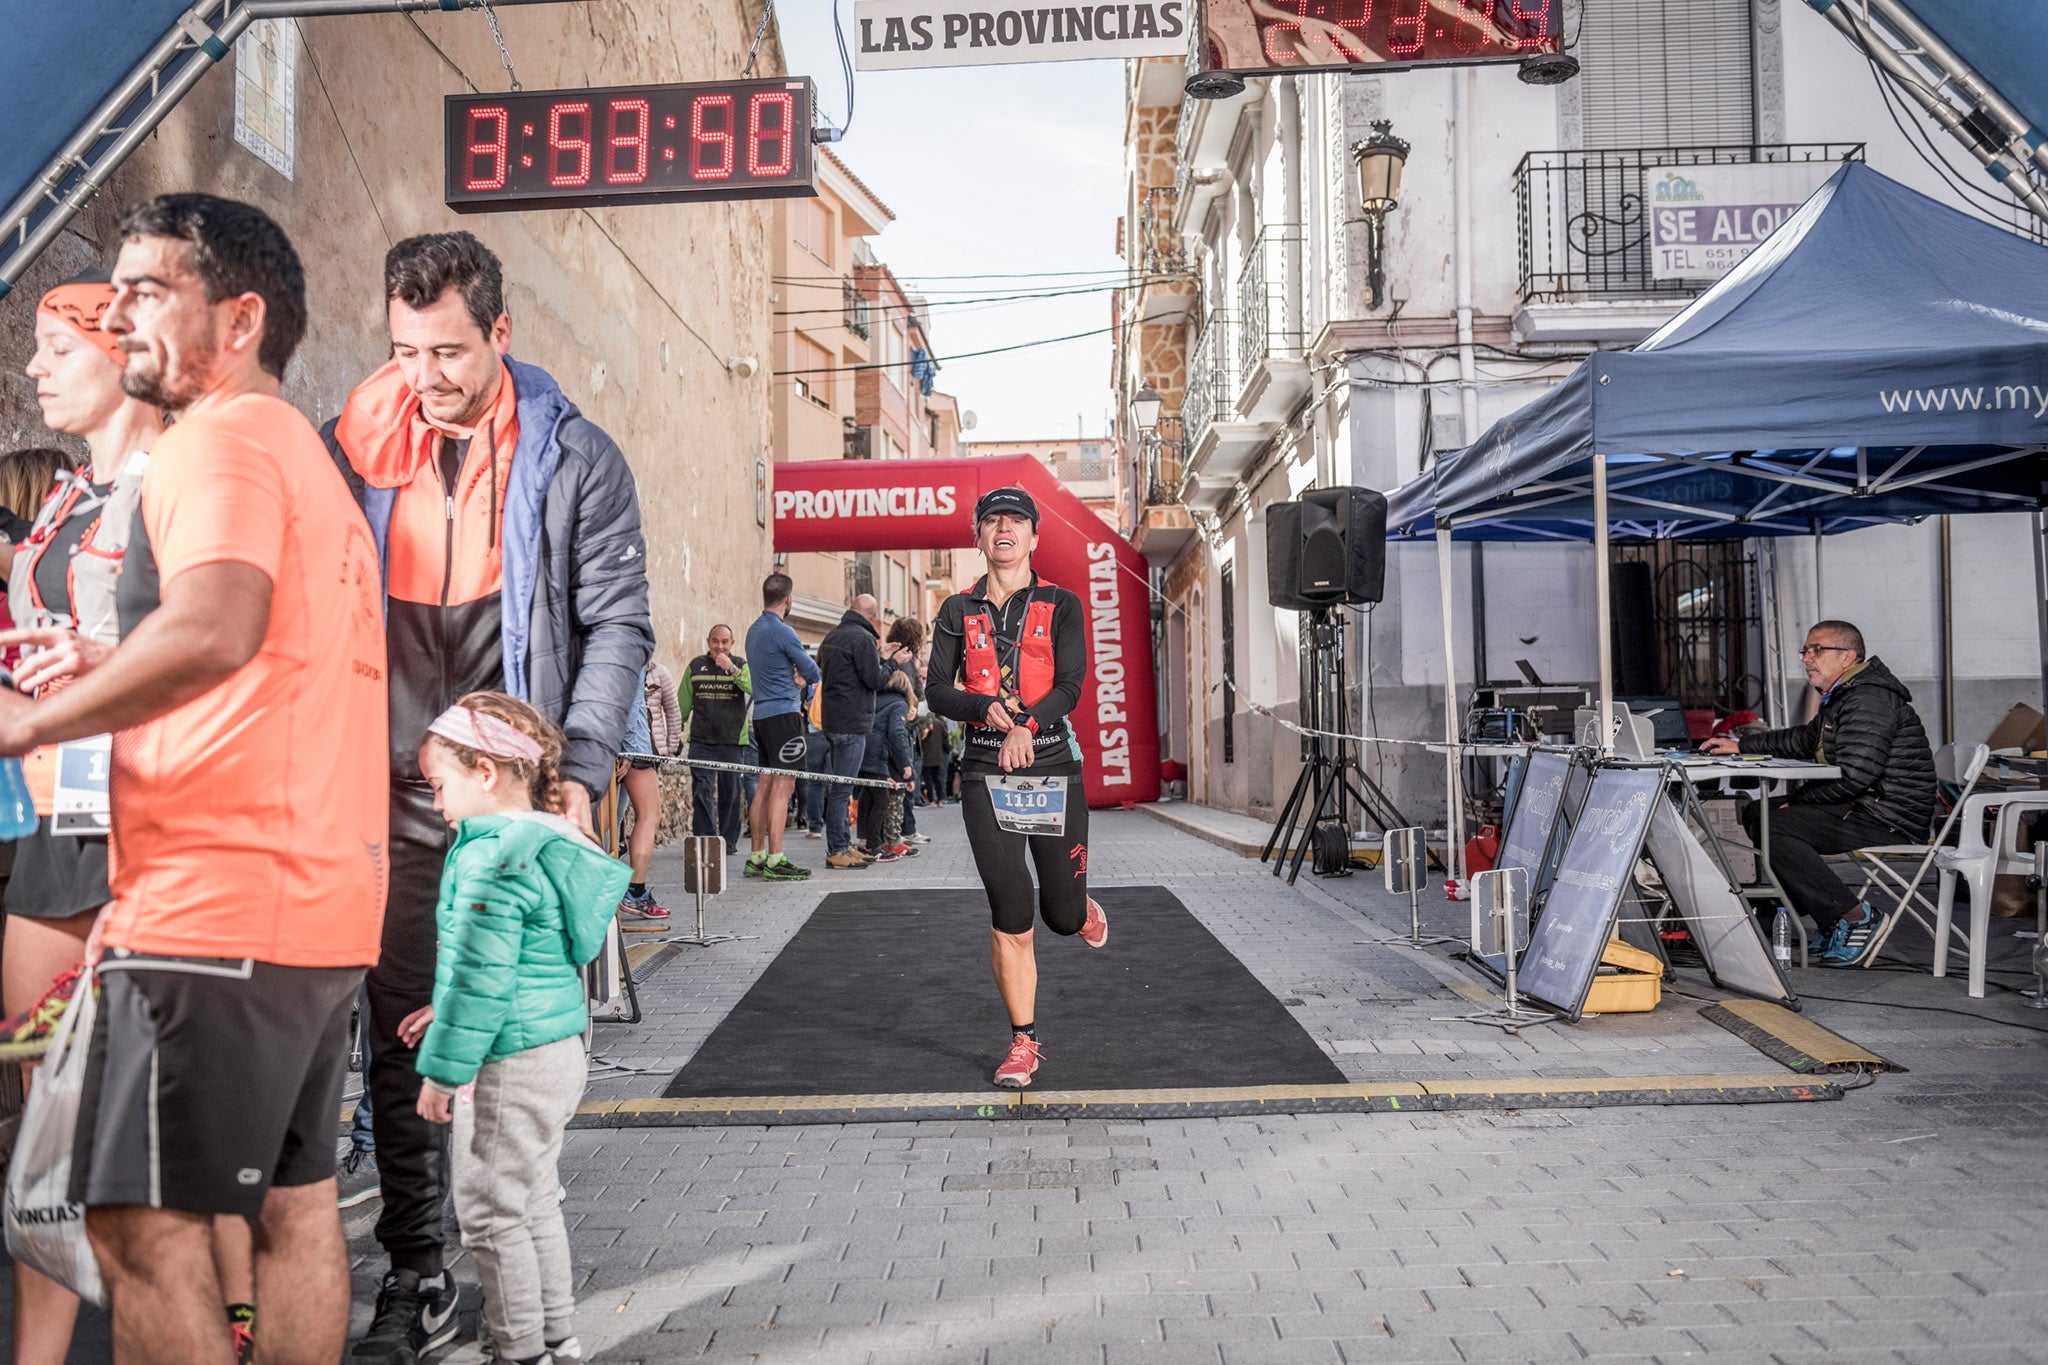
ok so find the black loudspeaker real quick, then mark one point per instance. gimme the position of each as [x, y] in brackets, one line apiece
[1328, 548]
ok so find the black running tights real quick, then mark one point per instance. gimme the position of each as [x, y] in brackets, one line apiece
[1061, 860]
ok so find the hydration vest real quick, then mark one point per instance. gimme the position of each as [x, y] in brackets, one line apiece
[982, 672]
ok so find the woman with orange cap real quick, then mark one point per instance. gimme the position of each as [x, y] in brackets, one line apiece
[61, 594]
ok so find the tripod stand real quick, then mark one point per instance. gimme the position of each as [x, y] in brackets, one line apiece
[1330, 768]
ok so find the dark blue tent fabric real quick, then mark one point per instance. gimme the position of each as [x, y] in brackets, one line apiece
[60, 59]
[1881, 356]
[2005, 41]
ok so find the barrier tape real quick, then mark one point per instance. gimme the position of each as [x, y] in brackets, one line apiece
[683, 762]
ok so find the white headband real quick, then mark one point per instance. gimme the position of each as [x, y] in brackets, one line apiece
[485, 733]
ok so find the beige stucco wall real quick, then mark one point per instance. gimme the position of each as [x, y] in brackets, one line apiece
[369, 97]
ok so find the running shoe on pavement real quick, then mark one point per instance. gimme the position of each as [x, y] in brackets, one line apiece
[414, 1316]
[882, 855]
[356, 1179]
[1021, 1065]
[921, 837]
[641, 907]
[846, 862]
[242, 1322]
[28, 1034]
[904, 850]
[1095, 929]
[781, 869]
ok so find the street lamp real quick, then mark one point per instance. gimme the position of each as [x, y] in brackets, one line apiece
[1145, 405]
[1378, 161]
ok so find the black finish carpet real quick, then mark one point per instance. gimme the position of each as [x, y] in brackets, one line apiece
[889, 992]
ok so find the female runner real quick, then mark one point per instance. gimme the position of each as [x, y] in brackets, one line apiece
[1007, 660]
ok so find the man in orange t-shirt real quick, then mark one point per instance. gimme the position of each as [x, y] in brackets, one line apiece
[247, 697]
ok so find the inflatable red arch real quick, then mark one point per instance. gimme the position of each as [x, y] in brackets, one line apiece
[849, 505]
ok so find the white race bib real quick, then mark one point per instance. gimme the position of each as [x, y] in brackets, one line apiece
[1029, 805]
[79, 803]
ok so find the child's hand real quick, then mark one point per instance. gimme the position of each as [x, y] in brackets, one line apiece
[434, 1106]
[413, 1028]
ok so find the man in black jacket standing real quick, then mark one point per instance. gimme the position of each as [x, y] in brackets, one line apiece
[852, 660]
[508, 526]
[1885, 795]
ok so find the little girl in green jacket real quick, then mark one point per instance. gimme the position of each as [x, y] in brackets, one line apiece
[526, 900]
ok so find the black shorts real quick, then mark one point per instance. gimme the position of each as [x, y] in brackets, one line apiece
[643, 764]
[57, 876]
[780, 740]
[209, 1080]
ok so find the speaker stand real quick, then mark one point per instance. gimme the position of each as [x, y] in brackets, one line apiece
[1330, 769]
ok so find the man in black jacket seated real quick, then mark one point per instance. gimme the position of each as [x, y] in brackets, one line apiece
[1885, 795]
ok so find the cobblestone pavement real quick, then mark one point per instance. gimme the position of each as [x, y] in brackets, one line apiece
[1906, 1222]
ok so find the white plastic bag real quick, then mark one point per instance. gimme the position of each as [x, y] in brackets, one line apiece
[45, 1230]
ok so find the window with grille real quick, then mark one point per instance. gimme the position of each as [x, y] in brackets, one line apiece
[1226, 607]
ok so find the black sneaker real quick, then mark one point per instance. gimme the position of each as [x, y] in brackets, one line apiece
[414, 1316]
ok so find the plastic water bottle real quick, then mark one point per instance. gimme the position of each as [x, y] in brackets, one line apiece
[17, 808]
[1781, 938]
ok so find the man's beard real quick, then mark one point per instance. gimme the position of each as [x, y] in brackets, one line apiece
[469, 414]
[151, 387]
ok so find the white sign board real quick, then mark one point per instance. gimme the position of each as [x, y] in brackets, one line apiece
[895, 34]
[1705, 219]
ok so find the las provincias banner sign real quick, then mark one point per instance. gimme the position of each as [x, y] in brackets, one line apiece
[847, 505]
[896, 34]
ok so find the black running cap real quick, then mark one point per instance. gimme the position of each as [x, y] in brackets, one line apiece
[1012, 500]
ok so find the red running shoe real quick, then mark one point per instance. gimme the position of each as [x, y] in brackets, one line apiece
[1021, 1065]
[1095, 929]
[641, 907]
[28, 1034]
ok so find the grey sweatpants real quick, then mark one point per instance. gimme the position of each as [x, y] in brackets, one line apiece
[508, 1136]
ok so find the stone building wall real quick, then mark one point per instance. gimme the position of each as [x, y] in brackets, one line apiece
[635, 311]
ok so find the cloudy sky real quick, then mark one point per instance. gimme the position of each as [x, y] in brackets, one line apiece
[1004, 170]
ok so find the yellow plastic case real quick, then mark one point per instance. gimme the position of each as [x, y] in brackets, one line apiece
[1635, 986]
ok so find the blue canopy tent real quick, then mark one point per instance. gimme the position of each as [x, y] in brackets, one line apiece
[1881, 357]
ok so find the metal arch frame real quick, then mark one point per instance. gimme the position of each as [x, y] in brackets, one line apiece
[1950, 91]
[197, 43]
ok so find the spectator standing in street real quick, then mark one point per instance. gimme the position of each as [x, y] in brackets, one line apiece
[932, 750]
[854, 670]
[716, 690]
[778, 667]
[888, 757]
[509, 527]
[650, 729]
[244, 910]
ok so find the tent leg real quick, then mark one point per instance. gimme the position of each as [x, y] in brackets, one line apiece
[2041, 596]
[1603, 608]
[1454, 822]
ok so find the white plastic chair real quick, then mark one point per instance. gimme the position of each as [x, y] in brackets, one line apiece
[1885, 865]
[1980, 861]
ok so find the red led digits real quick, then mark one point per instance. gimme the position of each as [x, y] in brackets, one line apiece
[708, 142]
[562, 151]
[1354, 47]
[1280, 26]
[761, 130]
[1407, 44]
[486, 148]
[1475, 25]
[1532, 17]
[626, 152]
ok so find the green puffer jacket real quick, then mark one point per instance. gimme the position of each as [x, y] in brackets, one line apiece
[525, 901]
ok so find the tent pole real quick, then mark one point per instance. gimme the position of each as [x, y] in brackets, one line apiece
[1603, 609]
[2041, 596]
[1454, 821]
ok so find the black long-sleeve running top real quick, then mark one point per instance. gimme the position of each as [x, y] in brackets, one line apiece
[1055, 750]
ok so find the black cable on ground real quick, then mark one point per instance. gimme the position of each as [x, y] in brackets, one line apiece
[1926, 1009]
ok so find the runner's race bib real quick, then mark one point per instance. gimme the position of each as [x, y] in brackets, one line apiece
[1029, 805]
[80, 805]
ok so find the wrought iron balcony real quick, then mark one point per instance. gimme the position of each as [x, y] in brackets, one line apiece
[1584, 226]
[855, 309]
[1212, 377]
[1163, 461]
[1269, 294]
[1159, 247]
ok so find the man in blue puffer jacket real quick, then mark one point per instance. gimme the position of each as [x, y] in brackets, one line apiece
[508, 530]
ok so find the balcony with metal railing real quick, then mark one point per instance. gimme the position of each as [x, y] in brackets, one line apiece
[1584, 223]
[1161, 526]
[1212, 378]
[855, 309]
[1272, 367]
[1222, 443]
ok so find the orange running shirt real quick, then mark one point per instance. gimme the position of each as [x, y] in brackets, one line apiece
[252, 821]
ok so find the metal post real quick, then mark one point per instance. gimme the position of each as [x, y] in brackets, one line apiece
[1603, 608]
[2041, 597]
[1454, 796]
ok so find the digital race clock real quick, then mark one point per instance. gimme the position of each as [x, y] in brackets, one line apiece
[1258, 37]
[630, 144]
